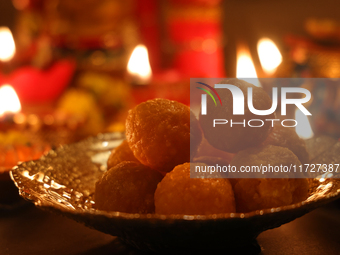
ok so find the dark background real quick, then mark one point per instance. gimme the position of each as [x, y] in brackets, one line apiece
[7, 14]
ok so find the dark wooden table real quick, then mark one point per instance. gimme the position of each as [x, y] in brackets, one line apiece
[29, 230]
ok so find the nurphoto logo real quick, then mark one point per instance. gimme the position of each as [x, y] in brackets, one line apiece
[239, 103]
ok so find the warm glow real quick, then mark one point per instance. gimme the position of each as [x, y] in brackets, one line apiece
[9, 101]
[303, 128]
[245, 66]
[269, 54]
[7, 45]
[139, 66]
[21, 4]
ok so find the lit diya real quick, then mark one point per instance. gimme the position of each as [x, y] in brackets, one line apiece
[14, 145]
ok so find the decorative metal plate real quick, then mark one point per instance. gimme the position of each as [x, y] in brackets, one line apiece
[63, 181]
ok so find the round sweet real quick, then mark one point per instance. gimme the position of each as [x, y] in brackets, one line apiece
[120, 154]
[128, 187]
[288, 138]
[177, 193]
[236, 137]
[158, 133]
[255, 194]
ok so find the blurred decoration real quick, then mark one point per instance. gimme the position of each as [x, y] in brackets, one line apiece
[99, 34]
[149, 19]
[317, 55]
[75, 71]
[325, 107]
[69, 66]
[15, 147]
[110, 93]
[323, 30]
[35, 85]
[82, 105]
[193, 39]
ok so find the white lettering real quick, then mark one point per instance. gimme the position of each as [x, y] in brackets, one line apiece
[238, 123]
[220, 121]
[262, 112]
[297, 101]
[262, 123]
[295, 122]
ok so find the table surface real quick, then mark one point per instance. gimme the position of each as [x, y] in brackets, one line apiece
[29, 230]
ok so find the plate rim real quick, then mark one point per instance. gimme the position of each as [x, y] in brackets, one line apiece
[303, 205]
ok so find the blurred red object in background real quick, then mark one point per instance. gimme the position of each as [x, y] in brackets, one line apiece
[35, 85]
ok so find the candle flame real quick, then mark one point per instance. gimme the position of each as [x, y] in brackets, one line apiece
[269, 55]
[7, 45]
[9, 101]
[245, 66]
[139, 65]
[303, 128]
